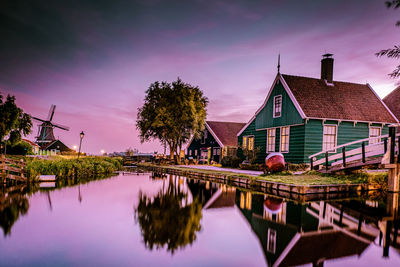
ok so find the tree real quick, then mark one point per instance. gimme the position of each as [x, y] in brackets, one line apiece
[13, 121]
[20, 148]
[172, 113]
[392, 52]
[169, 218]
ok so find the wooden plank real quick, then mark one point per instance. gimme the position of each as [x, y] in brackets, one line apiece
[359, 157]
[13, 169]
[352, 143]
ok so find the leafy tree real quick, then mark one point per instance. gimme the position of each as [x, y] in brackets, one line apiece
[20, 148]
[392, 52]
[171, 113]
[168, 219]
[13, 121]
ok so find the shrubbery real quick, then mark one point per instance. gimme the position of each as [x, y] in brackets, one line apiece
[74, 168]
[230, 161]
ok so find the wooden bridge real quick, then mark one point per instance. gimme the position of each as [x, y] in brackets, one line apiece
[12, 170]
[354, 155]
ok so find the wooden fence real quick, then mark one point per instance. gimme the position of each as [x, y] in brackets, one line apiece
[12, 170]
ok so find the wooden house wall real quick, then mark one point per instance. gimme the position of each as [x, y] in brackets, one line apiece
[196, 145]
[290, 115]
[346, 132]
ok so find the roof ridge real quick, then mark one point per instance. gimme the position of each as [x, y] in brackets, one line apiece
[392, 92]
[228, 122]
[298, 76]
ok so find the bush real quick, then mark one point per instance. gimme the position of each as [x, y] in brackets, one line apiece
[298, 167]
[230, 161]
[20, 148]
[251, 167]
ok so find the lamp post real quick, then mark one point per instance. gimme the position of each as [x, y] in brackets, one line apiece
[82, 134]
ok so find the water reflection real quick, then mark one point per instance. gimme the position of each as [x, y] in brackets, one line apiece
[296, 234]
[13, 204]
[169, 219]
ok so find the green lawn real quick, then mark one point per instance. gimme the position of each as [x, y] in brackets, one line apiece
[308, 178]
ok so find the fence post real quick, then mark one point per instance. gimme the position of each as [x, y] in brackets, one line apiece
[392, 136]
[3, 169]
[363, 152]
[312, 163]
[385, 144]
[398, 150]
[326, 161]
[344, 156]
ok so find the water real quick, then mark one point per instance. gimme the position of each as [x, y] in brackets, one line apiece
[145, 220]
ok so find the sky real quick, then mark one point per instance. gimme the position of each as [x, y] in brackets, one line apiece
[95, 59]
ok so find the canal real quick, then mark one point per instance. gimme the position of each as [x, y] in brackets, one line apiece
[166, 220]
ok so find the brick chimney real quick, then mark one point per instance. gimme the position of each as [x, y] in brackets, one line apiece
[327, 68]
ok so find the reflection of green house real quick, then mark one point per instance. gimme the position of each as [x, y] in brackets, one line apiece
[302, 116]
[295, 235]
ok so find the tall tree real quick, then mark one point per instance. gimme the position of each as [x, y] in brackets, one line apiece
[392, 52]
[13, 121]
[171, 113]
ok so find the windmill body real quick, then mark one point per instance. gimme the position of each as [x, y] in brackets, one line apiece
[45, 137]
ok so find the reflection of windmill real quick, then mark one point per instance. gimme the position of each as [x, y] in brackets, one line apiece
[45, 132]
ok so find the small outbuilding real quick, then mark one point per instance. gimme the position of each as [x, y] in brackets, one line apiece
[219, 139]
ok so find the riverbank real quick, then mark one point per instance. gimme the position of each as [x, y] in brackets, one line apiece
[304, 187]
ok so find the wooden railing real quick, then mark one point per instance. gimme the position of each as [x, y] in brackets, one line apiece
[370, 150]
[11, 169]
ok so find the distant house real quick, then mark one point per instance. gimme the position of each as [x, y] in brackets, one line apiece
[392, 101]
[302, 116]
[35, 147]
[56, 146]
[218, 140]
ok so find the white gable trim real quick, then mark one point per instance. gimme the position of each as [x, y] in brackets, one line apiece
[214, 135]
[383, 103]
[288, 91]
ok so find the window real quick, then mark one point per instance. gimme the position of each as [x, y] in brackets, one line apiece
[217, 151]
[374, 132]
[329, 138]
[285, 139]
[271, 240]
[244, 144]
[195, 152]
[190, 152]
[203, 139]
[250, 143]
[271, 140]
[277, 106]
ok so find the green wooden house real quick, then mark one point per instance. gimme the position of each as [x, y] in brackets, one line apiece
[302, 116]
[218, 140]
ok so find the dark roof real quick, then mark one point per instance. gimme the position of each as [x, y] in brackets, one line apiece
[392, 101]
[226, 131]
[224, 200]
[30, 142]
[58, 145]
[343, 101]
[323, 246]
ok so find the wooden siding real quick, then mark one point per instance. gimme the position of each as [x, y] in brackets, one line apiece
[196, 145]
[347, 132]
[289, 116]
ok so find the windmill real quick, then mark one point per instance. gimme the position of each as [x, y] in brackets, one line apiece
[45, 132]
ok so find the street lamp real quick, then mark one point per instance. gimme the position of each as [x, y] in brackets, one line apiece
[82, 134]
[102, 152]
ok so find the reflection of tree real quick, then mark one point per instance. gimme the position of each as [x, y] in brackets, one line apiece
[168, 218]
[11, 207]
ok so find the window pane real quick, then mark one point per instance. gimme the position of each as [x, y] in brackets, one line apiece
[329, 137]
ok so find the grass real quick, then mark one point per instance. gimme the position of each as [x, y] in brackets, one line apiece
[73, 168]
[307, 178]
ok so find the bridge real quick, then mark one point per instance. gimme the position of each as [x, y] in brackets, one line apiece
[357, 154]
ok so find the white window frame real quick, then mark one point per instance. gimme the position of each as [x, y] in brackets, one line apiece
[280, 108]
[271, 240]
[288, 140]
[369, 134]
[274, 137]
[336, 136]
[204, 137]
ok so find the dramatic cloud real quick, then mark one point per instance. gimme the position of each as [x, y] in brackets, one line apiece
[95, 59]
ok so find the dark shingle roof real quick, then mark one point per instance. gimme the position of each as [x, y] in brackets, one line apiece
[343, 101]
[392, 101]
[226, 131]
